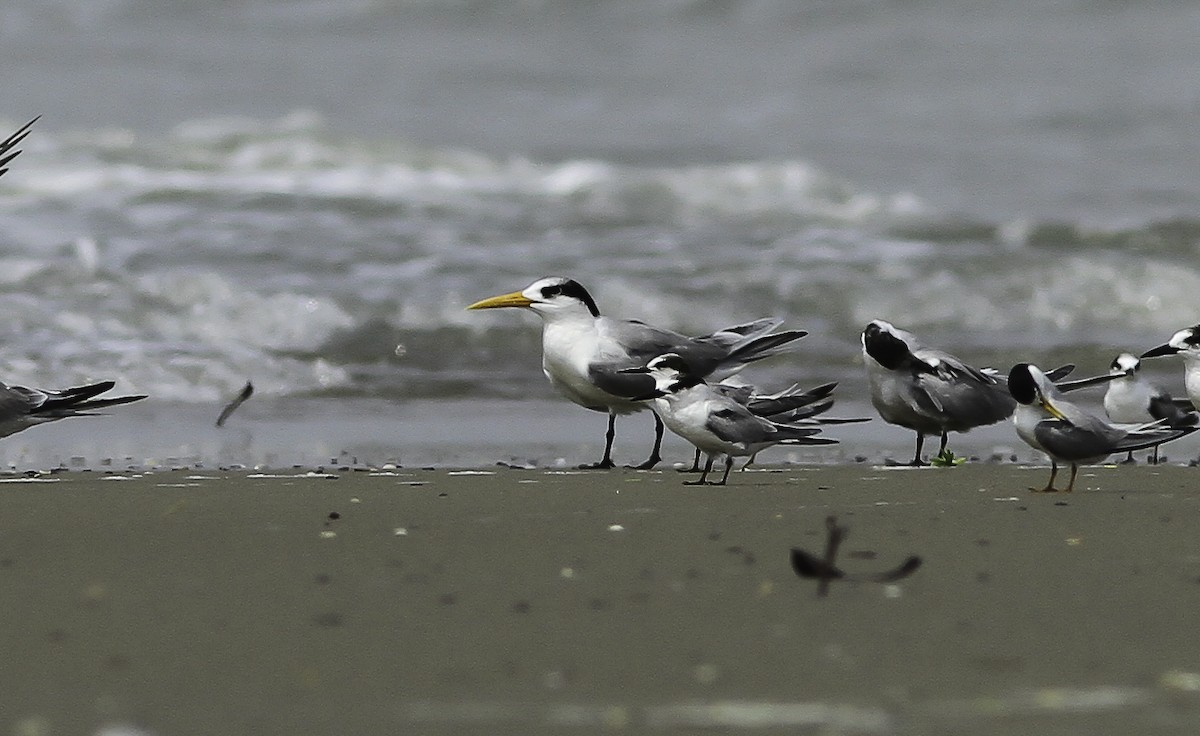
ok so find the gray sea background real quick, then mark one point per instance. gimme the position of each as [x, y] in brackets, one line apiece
[307, 193]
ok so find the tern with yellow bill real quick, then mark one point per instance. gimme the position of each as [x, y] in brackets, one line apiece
[1046, 421]
[584, 353]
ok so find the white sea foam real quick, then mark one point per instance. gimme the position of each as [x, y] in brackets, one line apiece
[288, 252]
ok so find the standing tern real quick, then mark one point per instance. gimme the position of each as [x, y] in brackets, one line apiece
[711, 420]
[584, 353]
[793, 406]
[22, 408]
[1130, 399]
[1067, 433]
[927, 390]
[1186, 342]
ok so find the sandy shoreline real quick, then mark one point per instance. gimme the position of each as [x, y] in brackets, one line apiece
[202, 602]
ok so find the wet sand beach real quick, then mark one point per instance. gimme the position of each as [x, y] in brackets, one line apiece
[542, 602]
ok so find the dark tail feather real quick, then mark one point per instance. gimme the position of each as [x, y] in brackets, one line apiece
[11, 141]
[800, 413]
[69, 397]
[810, 441]
[1057, 374]
[730, 336]
[73, 401]
[766, 406]
[762, 347]
[1141, 442]
[101, 403]
[790, 434]
[842, 420]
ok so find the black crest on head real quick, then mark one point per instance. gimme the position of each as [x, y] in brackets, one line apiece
[685, 379]
[885, 348]
[1021, 384]
[571, 288]
[1194, 338]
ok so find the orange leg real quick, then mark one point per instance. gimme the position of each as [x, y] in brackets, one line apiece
[1071, 485]
[1050, 483]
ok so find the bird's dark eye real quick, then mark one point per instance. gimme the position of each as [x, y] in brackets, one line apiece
[1116, 365]
[570, 289]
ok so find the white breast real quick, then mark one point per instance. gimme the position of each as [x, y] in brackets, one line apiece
[1128, 401]
[568, 348]
[1025, 420]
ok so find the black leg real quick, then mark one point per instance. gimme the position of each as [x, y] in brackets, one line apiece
[945, 439]
[750, 461]
[695, 464]
[655, 458]
[728, 467]
[606, 462]
[916, 461]
[703, 475]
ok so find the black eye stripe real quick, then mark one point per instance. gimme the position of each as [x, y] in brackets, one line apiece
[572, 288]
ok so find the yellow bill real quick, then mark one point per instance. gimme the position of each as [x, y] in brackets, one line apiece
[1052, 411]
[515, 299]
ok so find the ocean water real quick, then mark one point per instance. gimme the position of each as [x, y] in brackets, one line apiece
[307, 193]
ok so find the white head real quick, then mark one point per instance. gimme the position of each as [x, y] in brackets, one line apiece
[667, 369]
[671, 375]
[1186, 341]
[553, 296]
[1125, 364]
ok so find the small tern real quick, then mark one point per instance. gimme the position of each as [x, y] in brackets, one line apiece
[22, 408]
[1130, 399]
[792, 405]
[1186, 342]
[1046, 421]
[711, 420]
[927, 390]
[584, 354]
